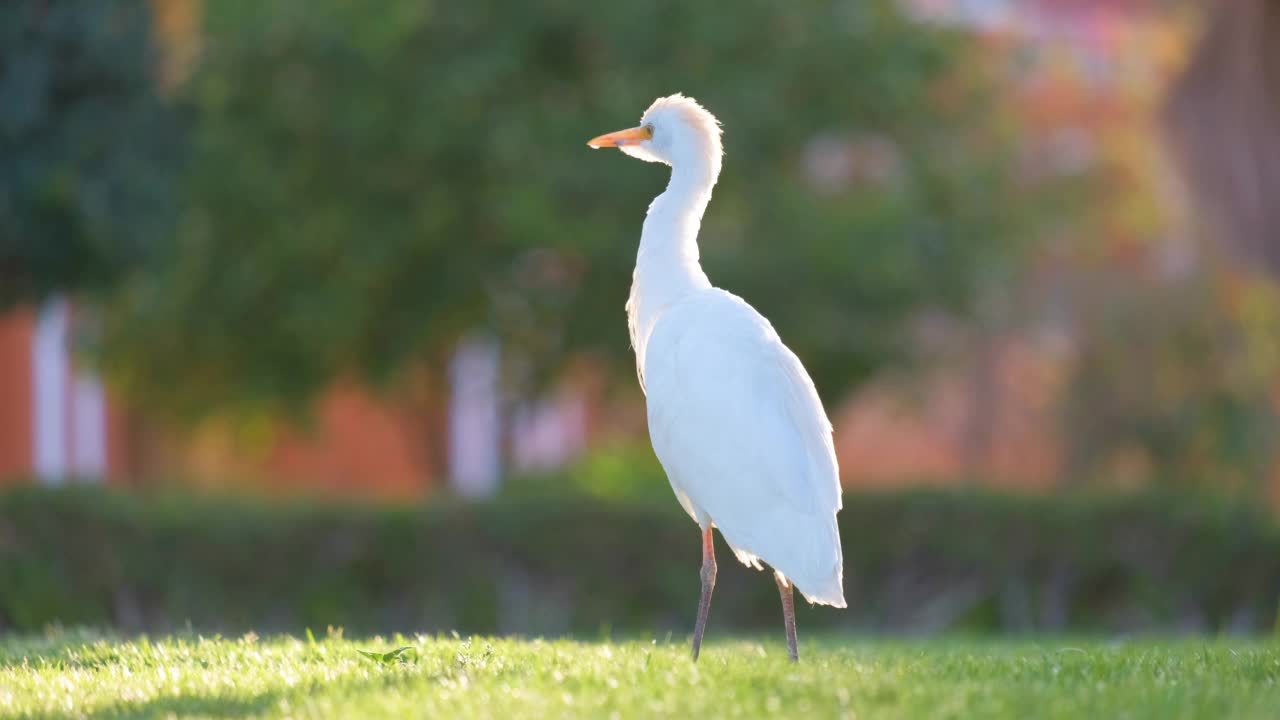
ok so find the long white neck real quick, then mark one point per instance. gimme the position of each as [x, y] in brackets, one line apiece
[667, 266]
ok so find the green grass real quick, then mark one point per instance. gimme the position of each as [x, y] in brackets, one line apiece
[83, 675]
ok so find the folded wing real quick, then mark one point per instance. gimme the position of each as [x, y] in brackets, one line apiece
[740, 430]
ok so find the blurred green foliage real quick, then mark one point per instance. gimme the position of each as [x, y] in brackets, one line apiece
[90, 151]
[368, 185]
[1175, 383]
[614, 473]
[556, 562]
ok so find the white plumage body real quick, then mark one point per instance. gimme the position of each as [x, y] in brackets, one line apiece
[737, 424]
[733, 415]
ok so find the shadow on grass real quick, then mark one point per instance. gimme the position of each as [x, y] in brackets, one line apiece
[183, 706]
[51, 649]
[188, 704]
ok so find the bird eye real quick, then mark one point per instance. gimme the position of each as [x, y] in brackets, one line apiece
[648, 130]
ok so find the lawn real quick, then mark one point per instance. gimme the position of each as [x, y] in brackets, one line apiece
[78, 674]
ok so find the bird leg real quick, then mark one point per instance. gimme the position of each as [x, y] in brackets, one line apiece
[708, 584]
[788, 614]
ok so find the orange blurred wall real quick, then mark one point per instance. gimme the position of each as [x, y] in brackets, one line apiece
[15, 394]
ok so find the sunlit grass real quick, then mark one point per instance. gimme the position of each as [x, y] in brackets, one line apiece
[84, 675]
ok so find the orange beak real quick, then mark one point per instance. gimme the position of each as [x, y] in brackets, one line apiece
[621, 137]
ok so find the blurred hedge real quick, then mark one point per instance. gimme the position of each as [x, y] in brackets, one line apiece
[918, 560]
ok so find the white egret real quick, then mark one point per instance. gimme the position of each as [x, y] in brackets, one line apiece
[733, 416]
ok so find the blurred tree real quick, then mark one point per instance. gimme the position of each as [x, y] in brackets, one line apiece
[1177, 356]
[88, 146]
[369, 185]
[1174, 383]
[1223, 117]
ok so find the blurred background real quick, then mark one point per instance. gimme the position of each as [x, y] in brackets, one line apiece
[311, 311]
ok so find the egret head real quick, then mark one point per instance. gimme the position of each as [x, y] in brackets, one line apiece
[675, 130]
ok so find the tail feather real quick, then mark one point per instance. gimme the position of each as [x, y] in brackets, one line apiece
[805, 549]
